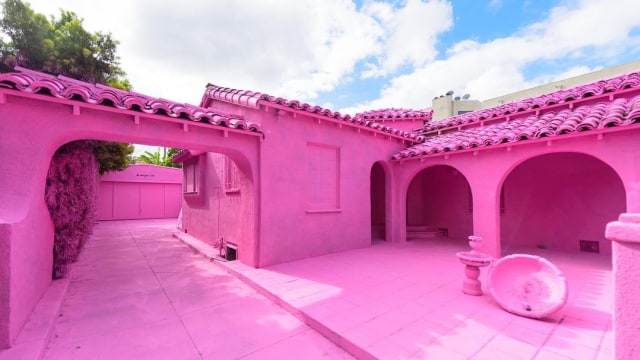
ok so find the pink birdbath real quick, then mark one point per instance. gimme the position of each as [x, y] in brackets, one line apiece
[528, 285]
[473, 261]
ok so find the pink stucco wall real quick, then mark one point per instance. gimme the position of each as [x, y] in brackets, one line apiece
[487, 169]
[140, 191]
[555, 200]
[218, 211]
[41, 124]
[298, 216]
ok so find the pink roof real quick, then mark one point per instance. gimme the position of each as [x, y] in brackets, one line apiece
[61, 87]
[597, 106]
[396, 114]
[255, 100]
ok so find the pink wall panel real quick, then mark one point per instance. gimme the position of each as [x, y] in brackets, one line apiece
[152, 201]
[126, 200]
[172, 200]
[104, 203]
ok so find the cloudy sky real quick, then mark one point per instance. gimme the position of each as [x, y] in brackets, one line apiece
[359, 55]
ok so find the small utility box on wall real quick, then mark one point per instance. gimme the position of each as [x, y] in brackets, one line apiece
[140, 192]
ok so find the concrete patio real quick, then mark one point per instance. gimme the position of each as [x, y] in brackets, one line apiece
[137, 292]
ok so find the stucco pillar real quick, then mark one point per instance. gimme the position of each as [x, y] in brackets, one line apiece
[625, 234]
[486, 219]
[26, 230]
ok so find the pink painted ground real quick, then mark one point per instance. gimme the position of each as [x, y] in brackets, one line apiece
[404, 301]
[139, 293]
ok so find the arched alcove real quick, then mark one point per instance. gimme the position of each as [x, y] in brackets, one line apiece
[439, 204]
[561, 202]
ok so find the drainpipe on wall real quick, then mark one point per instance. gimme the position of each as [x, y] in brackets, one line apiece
[625, 249]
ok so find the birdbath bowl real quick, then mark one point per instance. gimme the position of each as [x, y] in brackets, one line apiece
[473, 261]
[528, 285]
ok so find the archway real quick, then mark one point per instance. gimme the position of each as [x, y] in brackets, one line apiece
[439, 205]
[378, 203]
[560, 202]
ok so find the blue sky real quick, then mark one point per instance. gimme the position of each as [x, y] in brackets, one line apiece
[354, 56]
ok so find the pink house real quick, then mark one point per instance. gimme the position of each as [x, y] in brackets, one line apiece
[281, 180]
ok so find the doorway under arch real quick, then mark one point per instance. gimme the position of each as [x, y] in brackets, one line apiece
[378, 203]
[439, 205]
[561, 202]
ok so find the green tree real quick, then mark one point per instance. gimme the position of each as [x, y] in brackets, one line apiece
[155, 158]
[62, 46]
[58, 46]
[112, 155]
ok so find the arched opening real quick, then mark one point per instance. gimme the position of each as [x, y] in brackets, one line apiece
[378, 203]
[221, 207]
[439, 205]
[560, 202]
[219, 193]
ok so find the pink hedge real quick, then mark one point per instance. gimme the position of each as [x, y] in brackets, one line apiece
[70, 194]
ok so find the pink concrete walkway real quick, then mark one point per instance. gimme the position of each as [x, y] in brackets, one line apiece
[404, 301]
[138, 293]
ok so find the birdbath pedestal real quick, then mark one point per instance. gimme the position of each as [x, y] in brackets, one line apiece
[473, 261]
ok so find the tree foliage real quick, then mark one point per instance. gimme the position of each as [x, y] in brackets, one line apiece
[112, 156]
[155, 158]
[62, 46]
[58, 46]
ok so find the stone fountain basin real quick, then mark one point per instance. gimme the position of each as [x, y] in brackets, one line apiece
[528, 285]
[473, 258]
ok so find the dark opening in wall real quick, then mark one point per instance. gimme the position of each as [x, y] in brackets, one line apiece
[230, 251]
[592, 246]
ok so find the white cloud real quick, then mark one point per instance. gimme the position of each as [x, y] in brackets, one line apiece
[411, 33]
[575, 30]
[299, 49]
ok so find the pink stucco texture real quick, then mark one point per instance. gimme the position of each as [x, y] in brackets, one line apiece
[283, 180]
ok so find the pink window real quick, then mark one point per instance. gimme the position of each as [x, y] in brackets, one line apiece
[190, 171]
[323, 177]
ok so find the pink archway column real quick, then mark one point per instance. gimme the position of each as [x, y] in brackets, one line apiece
[26, 230]
[484, 177]
[625, 235]
[396, 214]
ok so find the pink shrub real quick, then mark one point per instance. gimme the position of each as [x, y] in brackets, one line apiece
[70, 196]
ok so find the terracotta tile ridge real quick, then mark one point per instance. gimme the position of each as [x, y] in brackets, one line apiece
[576, 94]
[257, 100]
[64, 88]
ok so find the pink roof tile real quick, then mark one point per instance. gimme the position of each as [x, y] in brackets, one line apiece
[611, 103]
[255, 100]
[396, 114]
[61, 87]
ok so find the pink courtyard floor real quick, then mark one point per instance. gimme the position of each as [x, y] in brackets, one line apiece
[139, 293]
